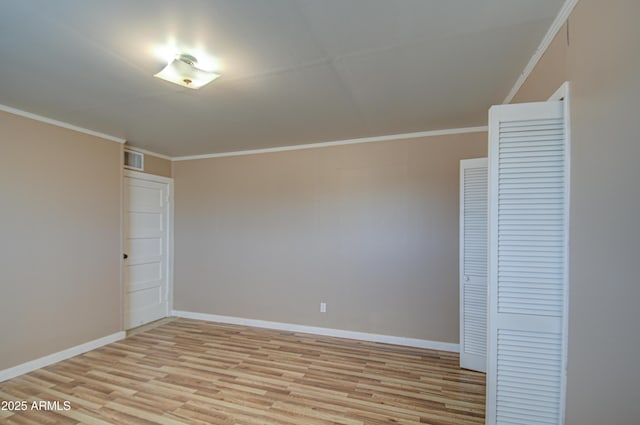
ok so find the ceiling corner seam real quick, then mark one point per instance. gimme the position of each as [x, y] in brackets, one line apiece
[561, 18]
[61, 124]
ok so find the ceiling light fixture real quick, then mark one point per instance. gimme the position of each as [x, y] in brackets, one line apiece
[182, 71]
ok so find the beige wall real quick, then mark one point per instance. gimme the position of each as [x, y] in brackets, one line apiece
[59, 239]
[370, 229]
[602, 63]
[155, 165]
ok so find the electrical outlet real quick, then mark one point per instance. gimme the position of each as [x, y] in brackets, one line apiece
[323, 307]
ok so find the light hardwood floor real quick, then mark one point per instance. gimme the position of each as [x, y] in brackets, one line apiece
[193, 372]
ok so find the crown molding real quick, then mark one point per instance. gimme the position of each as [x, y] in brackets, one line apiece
[373, 139]
[61, 124]
[558, 22]
[338, 143]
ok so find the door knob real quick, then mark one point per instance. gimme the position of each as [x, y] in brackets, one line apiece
[125, 256]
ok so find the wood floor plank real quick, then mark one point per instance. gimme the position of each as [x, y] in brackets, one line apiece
[192, 372]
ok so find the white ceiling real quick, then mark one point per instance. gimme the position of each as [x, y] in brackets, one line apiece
[293, 71]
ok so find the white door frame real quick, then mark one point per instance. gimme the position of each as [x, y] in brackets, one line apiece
[563, 94]
[169, 246]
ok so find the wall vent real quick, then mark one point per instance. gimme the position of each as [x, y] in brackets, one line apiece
[133, 160]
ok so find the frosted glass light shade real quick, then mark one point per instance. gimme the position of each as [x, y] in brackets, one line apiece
[183, 72]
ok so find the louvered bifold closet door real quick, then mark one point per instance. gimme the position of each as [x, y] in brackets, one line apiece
[473, 263]
[528, 189]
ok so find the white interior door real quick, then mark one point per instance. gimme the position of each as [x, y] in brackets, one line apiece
[528, 277]
[473, 263]
[146, 247]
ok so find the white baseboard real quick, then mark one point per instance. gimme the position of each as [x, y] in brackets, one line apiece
[362, 336]
[32, 365]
